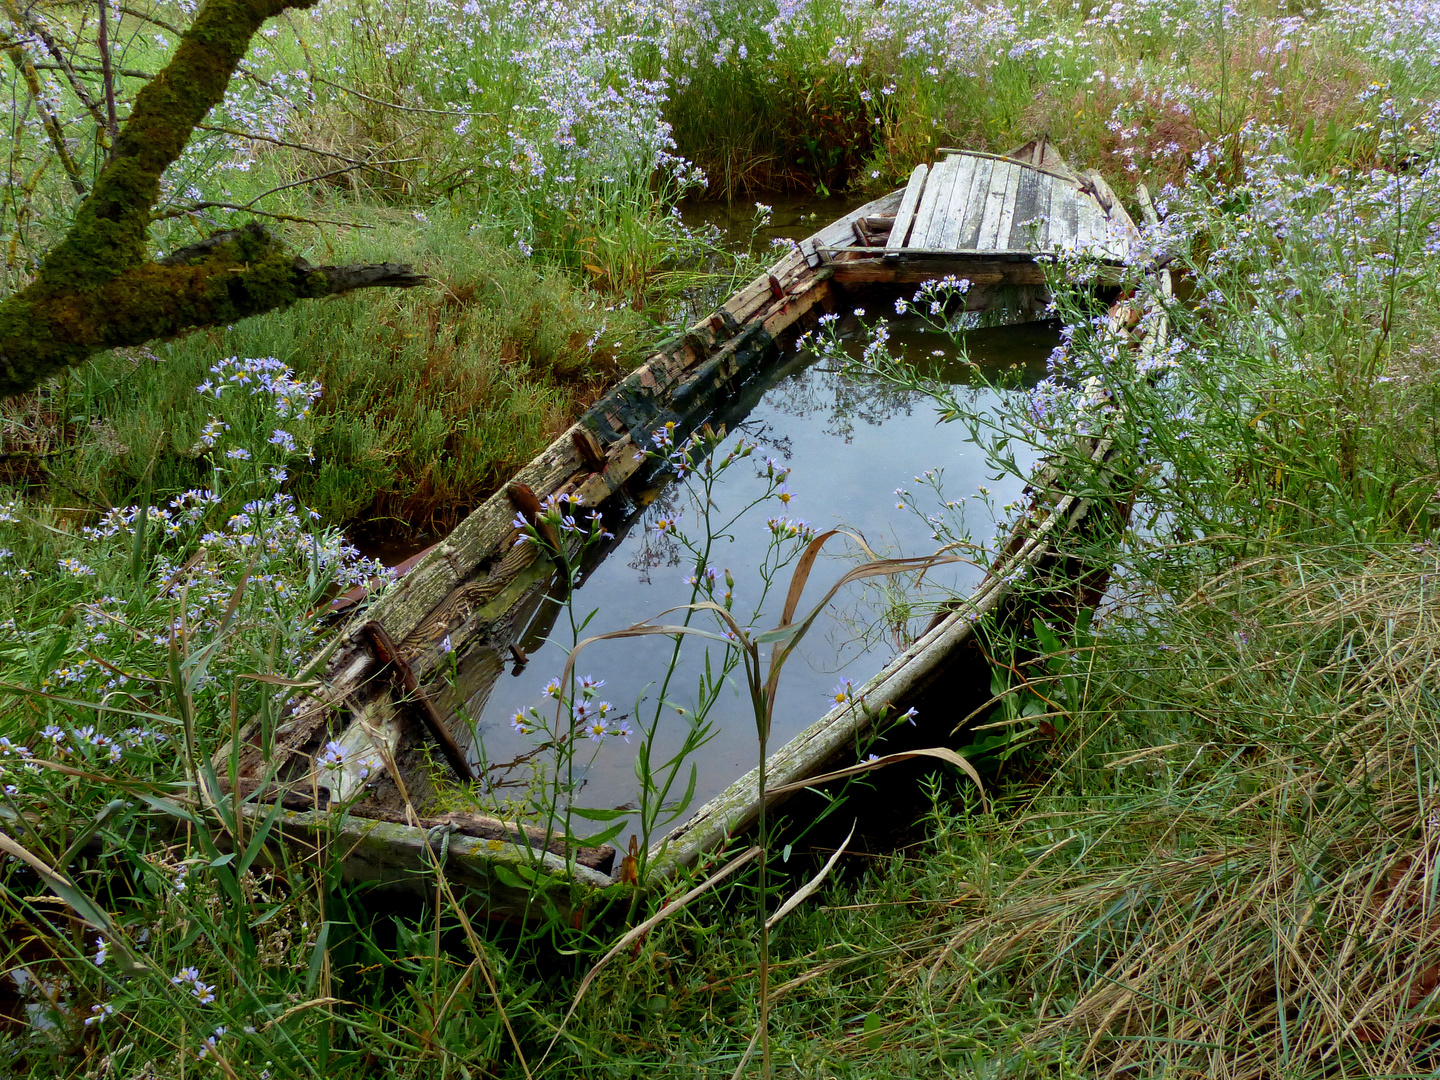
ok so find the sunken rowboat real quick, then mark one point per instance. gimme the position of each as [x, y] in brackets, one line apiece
[399, 681]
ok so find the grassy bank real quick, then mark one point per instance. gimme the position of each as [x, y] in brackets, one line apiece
[1210, 846]
[431, 397]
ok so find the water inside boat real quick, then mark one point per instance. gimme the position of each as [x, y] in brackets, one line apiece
[848, 442]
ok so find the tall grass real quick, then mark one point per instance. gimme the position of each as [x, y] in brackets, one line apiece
[432, 398]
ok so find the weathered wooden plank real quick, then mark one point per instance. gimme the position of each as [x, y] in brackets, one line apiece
[961, 198]
[985, 170]
[935, 227]
[937, 190]
[1053, 196]
[1000, 199]
[905, 216]
[1007, 213]
[838, 233]
[953, 203]
[1025, 230]
[1065, 218]
[403, 857]
[1090, 232]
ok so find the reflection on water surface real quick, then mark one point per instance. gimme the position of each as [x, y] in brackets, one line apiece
[848, 443]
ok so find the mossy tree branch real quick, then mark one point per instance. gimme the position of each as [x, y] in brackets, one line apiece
[98, 288]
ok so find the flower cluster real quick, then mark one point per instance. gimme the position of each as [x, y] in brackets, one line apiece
[190, 977]
[589, 715]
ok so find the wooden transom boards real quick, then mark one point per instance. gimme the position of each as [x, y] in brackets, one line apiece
[986, 217]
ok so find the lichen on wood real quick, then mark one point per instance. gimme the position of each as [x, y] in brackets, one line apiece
[99, 289]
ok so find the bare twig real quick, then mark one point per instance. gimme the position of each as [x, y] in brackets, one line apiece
[149, 16]
[248, 207]
[92, 69]
[298, 219]
[112, 124]
[396, 105]
[316, 150]
[56, 134]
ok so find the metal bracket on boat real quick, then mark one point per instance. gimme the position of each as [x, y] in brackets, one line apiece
[388, 653]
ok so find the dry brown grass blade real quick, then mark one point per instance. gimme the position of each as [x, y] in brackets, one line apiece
[950, 757]
[808, 889]
[643, 928]
[781, 650]
[801, 575]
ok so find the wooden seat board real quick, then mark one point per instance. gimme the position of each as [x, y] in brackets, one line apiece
[961, 195]
[1065, 212]
[975, 205]
[952, 204]
[995, 201]
[1026, 233]
[905, 216]
[1091, 233]
[937, 188]
[943, 179]
[946, 205]
[1001, 240]
[1056, 194]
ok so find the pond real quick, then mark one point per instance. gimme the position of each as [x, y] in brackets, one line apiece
[847, 444]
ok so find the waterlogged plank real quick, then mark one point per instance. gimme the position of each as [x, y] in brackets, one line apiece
[937, 191]
[905, 216]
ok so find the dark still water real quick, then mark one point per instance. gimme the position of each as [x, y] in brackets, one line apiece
[847, 443]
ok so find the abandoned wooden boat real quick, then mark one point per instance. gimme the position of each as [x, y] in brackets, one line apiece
[400, 678]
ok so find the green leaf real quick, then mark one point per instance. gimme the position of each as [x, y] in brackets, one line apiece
[258, 837]
[1049, 640]
[317, 956]
[175, 810]
[872, 1028]
[507, 877]
[604, 837]
[784, 633]
[599, 815]
[142, 523]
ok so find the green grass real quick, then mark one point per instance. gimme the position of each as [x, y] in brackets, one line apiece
[433, 396]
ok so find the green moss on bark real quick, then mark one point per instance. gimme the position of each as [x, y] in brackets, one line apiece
[98, 289]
